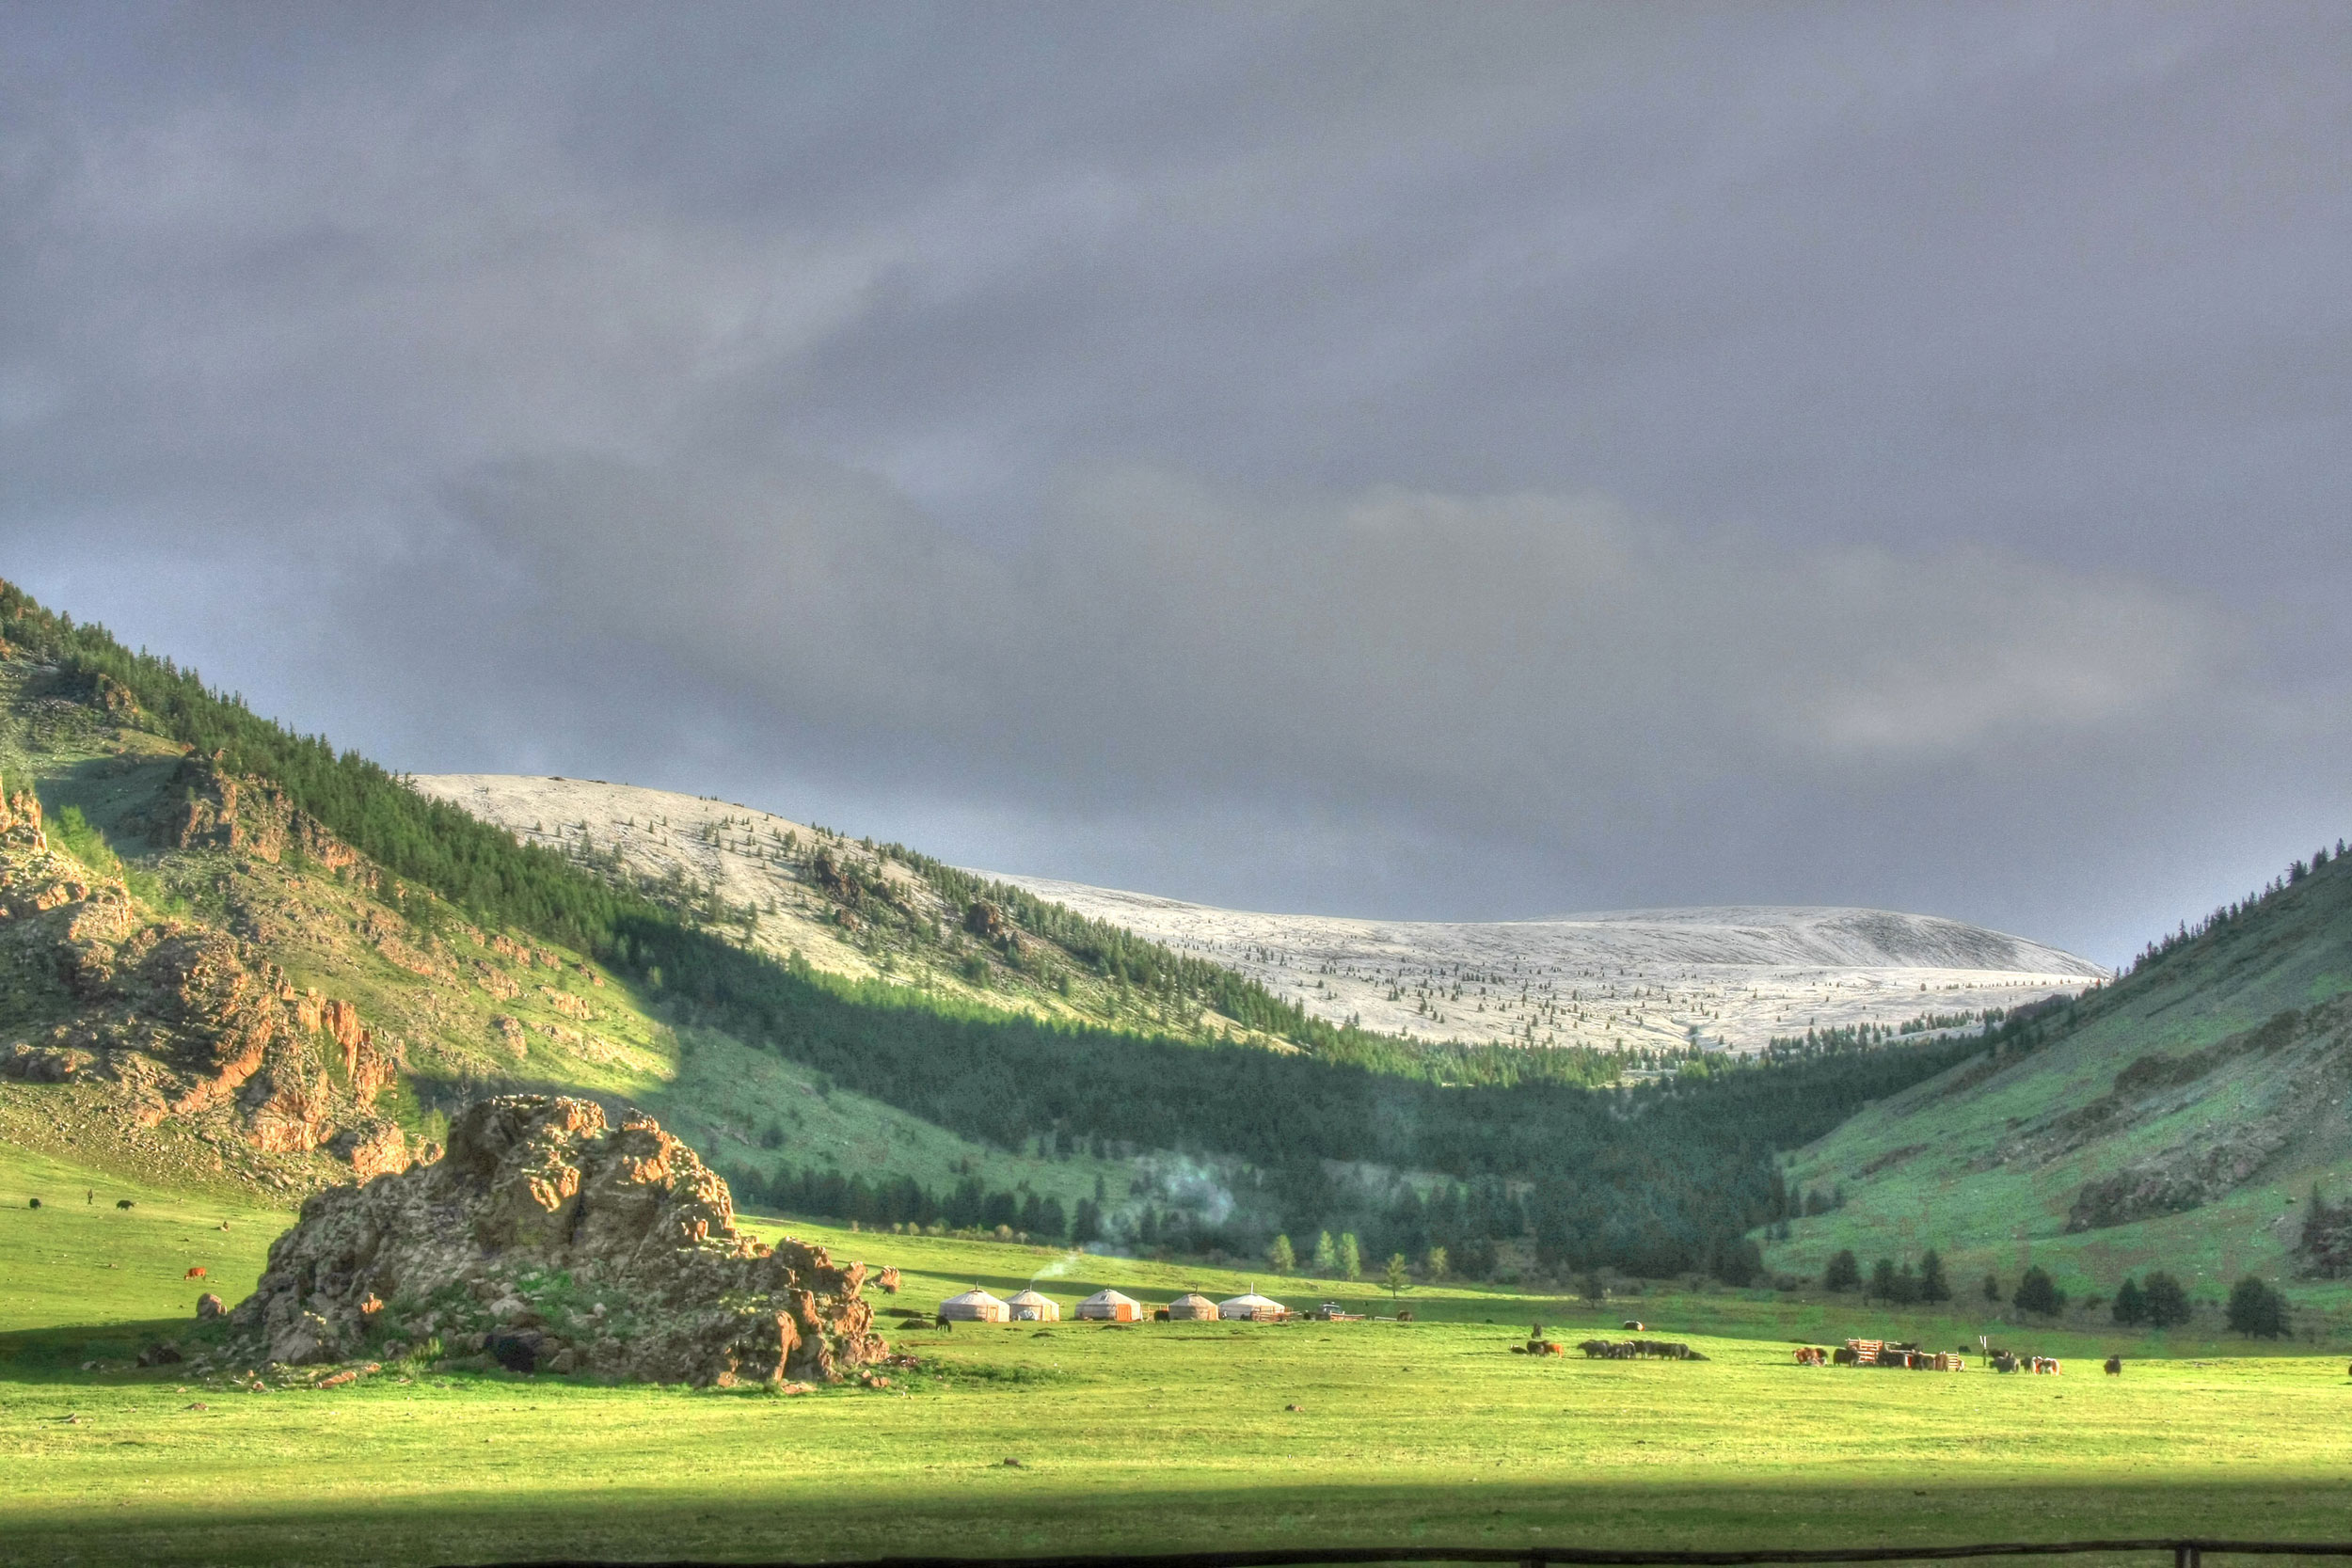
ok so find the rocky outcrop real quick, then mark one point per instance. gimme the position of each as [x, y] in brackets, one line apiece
[2179, 1179]
[547, 1239]
[205, 806]
[188, 1020]
[374, 1148]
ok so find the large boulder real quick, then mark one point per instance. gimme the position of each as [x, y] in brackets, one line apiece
[546, 1237]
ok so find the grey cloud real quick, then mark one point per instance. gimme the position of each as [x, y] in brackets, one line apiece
[1432, 461]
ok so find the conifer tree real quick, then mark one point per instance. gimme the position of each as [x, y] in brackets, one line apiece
[1932, 1285]
[1351, 1257]
[2256, 1311]
[1843, 1273]
[2037, 1292]
[1282, 1257]
[1327, 1256]
[2168, 1302]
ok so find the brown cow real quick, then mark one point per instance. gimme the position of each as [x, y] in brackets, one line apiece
[194, 1274]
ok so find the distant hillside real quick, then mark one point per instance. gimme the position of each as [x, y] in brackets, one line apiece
[234, 956]
[2179, 1119]
[1734, 977]
[879, 912]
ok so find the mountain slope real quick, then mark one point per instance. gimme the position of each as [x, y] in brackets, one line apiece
[1639, 979]
[2176, 1119]
[870, 913]
[252, 958]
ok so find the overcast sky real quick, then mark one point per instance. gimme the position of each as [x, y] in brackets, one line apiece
[1449, 460]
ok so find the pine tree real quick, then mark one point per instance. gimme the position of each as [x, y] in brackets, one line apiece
[1435, 1264]
[1351, 1257]
[2131, 1305]
[1843, 1273]
[1992, 1288]
[2168, 1304]
[1327, 1256]
[2037, 1292]
[1282, 1257]
[1396, 1278]
[1932, 1285]
[2256, 1311]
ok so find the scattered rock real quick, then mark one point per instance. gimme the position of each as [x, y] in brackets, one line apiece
[163, 1355]
[536, 1185]
[208, 1306]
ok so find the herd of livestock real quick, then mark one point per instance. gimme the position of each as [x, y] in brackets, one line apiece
[1884, 1353]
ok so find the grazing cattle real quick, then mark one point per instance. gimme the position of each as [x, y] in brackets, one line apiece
[194, 1274]
[2004, 1362]
[124, 1203]
[2113, 1366]
[2046, 1364]
[1594, 1349]
[947, 1323]
[1809, 1356]
[1846, 1355]
[35, 1203]
[1631, 1324]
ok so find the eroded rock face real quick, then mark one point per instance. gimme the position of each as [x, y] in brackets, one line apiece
[571, 1243]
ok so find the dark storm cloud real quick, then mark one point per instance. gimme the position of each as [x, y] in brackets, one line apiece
[1423, 461]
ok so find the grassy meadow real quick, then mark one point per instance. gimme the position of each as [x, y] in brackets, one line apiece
[1142, 1437]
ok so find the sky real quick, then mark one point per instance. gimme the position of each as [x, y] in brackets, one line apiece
[1412, 461]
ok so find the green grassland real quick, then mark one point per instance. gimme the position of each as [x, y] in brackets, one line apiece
[1985, 1161]
[1150, 1436]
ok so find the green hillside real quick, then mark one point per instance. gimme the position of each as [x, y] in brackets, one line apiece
[245, 958]
[2177, 1119]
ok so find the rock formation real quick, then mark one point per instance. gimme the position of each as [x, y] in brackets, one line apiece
[549, 1240]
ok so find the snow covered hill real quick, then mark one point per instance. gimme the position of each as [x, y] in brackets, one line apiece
[1736, 974]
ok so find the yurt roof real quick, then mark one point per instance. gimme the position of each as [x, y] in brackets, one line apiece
[1251, 1299]
[1109, 1298]
[976, 1297]
[1192, 1298]
[1029, 1298]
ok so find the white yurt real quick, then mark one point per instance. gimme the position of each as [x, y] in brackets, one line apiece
[1252, 1308]
[975, 1306]
[1110, 1307]
[1192, 1308]
[1030, 1307]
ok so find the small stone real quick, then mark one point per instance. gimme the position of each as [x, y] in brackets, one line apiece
[1012, 1463]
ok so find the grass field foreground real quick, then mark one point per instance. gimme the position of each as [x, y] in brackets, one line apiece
[1151, 1436]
